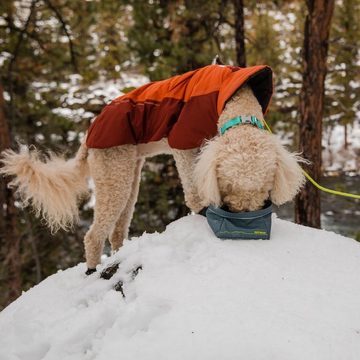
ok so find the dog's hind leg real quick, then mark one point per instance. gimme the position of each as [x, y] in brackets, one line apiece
[113, 172]
[122, 225]
[185, 163]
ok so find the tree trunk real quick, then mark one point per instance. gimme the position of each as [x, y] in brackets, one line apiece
[239, 32]
[9, 234]
[317, 28]
[346, 142]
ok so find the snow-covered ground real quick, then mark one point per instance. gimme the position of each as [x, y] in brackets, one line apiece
[295, 296]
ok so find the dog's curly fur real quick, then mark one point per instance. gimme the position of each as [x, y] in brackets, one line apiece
[241, 169]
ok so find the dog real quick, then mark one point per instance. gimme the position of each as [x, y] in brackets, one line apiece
[219, 163]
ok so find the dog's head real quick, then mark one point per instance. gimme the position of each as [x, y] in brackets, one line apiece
[244, 168]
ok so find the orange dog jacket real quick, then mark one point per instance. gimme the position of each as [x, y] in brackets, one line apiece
[183, 108]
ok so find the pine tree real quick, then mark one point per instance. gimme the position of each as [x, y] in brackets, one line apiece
[172, 37]
[344, 90]
[317, 29]
[239, 28]
[10, 240]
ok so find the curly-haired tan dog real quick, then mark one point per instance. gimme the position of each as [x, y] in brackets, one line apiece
[241, 168]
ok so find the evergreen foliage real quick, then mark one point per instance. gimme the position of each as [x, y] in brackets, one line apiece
[344, 75]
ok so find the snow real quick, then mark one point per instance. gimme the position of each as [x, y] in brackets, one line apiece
[76, 94]
[295, 296]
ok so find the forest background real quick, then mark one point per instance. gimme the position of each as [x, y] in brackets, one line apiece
[61, 61]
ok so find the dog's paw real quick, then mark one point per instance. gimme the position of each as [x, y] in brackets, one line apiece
[90, 271]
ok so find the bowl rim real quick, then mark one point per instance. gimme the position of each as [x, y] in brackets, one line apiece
[266, 210]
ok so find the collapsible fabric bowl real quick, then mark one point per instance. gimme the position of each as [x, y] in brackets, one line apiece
[242, 225]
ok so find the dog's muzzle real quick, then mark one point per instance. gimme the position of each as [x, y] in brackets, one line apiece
[251, 225]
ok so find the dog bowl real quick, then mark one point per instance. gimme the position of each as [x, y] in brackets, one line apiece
[250, 225]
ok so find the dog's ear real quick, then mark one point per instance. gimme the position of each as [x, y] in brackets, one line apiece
[205, 173]
[289, 177]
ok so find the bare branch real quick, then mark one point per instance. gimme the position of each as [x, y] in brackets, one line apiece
[30, 35]
[65, 28]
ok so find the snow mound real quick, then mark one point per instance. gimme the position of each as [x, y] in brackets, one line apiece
[295, 296]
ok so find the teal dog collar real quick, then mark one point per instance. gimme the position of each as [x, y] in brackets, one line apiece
[238, 120]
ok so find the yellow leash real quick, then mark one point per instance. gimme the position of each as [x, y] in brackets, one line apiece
[322, 188]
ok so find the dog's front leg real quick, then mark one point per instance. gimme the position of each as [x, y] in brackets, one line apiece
[185, 163]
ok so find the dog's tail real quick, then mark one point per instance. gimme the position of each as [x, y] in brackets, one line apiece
[52, 187]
